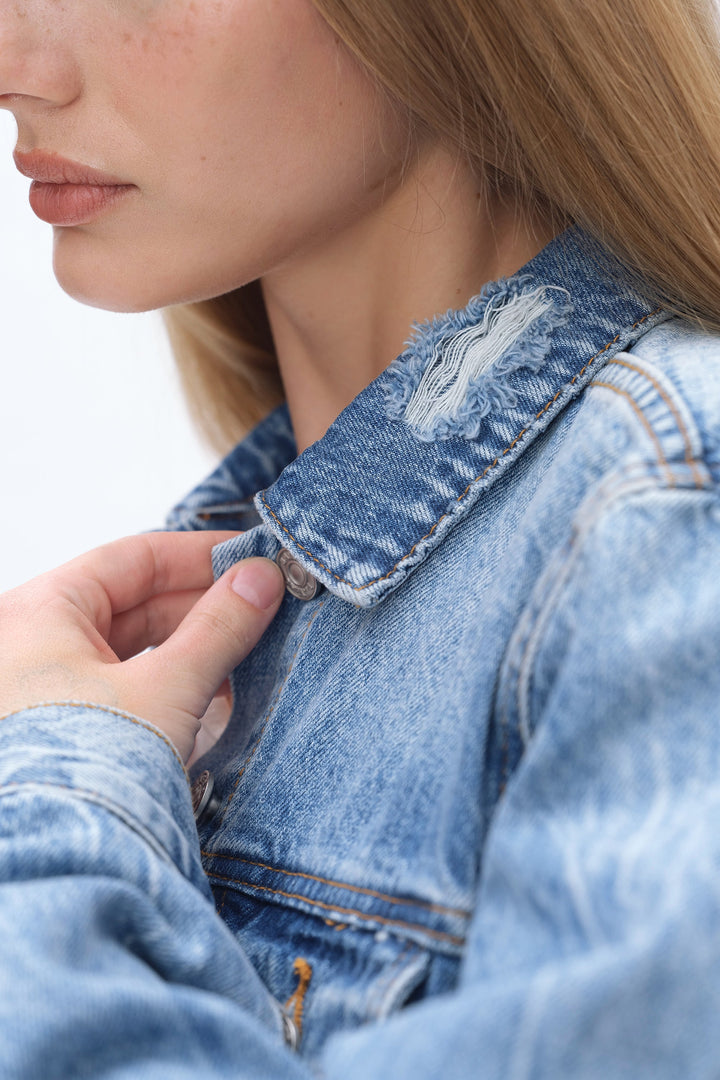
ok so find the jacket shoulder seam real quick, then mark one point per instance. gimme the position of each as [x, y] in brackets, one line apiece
[538, 615]
[642, 381]
[690, 458]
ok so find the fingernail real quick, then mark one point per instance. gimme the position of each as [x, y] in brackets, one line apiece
[259, 581]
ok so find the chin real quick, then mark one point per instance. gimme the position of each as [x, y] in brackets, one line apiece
[108, 300]
[104, 282]
[114, 276]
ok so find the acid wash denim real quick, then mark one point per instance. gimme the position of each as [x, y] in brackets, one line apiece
[468, 805]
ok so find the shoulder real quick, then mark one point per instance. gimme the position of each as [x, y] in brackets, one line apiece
[652, 409]
[633, 579]
[679, 347]
[670, 379]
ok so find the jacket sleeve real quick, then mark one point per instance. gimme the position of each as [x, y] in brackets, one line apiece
[114, 962]
[594, 950]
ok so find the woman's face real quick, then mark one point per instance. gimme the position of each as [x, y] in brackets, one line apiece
[244, 133]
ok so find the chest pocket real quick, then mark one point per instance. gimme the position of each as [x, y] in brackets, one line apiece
[330, 975]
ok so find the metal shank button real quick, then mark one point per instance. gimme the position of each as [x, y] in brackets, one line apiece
[297, 580]
[204, 804]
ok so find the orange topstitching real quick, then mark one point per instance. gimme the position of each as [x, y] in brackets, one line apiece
[689, 459]
[662, 460]
[295, 1004]
[441, 935]
[426, 905]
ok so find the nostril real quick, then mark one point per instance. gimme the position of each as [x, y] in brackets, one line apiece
[36, 70]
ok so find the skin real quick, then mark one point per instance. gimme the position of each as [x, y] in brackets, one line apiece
[258, 148]
[79, 631]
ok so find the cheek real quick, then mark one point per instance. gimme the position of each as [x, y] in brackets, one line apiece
[251, 134]
[206, 64]
[242, 89]
[305, 142]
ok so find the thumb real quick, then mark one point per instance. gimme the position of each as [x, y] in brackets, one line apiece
[216, 634]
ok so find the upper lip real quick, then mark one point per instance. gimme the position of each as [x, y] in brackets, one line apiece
[50, 168]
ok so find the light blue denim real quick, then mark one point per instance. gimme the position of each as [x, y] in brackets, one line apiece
[474, 785]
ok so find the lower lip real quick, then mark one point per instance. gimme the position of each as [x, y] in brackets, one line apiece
[74, 204]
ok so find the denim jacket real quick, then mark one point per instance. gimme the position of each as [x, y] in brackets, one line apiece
[466, 815]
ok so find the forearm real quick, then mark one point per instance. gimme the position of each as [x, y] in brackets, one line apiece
[113, 954]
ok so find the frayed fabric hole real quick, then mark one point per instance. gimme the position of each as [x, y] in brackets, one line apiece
[456, 370]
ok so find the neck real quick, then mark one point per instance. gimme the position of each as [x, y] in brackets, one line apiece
[341, 313]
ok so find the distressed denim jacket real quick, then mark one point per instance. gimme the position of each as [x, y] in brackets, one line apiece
[466, 815]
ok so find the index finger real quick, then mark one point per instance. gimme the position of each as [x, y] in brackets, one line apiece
[120, 575]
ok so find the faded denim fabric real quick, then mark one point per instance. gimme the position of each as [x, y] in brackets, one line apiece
[468, 817]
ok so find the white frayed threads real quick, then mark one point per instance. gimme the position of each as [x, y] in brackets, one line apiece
[459, 361]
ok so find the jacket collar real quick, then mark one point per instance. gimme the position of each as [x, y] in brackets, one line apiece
[365, 505]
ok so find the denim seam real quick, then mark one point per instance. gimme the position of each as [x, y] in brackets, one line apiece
[571, 552]
[105, 709]
[690, 460]
[440, 935]
[504, 749]
[441, 909]
[276, 699]
[104, 802]
[662, 460]
[536, 630]
[477, 479]
[510, 669]
[13, 786]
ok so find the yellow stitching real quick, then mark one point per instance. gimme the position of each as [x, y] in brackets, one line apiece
[440, 908]
[689, 460]
[439, 934]
[662, 460]
[251, 755]
[101, 708]
[481, 476]
[295, 1004]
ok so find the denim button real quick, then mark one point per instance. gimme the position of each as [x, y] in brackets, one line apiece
[297, 580]
[204, 804]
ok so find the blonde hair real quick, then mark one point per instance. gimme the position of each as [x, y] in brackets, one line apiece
[602, 112]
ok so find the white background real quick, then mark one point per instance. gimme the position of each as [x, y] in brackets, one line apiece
[95, 441]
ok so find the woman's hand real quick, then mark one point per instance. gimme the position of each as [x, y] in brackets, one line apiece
[78, 633]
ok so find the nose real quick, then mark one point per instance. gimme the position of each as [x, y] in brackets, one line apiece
[36, 64]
